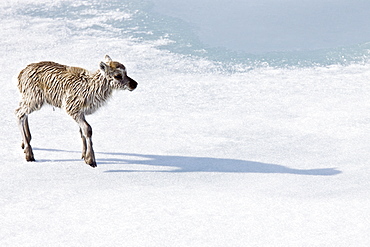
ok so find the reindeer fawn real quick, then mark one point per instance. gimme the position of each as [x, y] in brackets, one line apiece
[75, 89]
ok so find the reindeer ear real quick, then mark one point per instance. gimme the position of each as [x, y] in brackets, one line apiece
[107, 59]
[103, 67]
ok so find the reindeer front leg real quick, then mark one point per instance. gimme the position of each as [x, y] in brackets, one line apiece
[87, 146]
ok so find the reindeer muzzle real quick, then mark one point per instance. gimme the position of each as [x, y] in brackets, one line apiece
[132, 84]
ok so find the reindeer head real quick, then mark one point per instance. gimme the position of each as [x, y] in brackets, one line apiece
[116, 74]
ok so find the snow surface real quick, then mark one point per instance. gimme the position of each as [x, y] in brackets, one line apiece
[274, 25]
[196, 156]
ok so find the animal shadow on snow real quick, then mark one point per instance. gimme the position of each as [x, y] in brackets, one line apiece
[178, 164]
[204, 164]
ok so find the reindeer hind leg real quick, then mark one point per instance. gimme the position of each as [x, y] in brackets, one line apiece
[25, 108]
[83, 144]
[27, 131]
[26, 138]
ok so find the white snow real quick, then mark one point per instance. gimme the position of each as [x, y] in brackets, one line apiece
[195, 156]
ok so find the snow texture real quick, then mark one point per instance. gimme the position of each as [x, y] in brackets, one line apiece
[203, 153]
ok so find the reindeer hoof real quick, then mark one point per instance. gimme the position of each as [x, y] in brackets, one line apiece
[93, 164]
[29, 154]
[30, 159]
[90, 162]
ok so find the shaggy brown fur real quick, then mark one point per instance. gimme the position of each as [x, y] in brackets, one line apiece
[75, 89]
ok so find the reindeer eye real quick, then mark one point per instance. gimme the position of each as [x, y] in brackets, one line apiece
[118, 77]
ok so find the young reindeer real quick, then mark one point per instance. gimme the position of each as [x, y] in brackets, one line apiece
[75, 89]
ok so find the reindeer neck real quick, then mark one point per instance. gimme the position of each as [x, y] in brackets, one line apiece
[98, 88]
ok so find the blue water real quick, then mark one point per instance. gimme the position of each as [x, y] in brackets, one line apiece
[251, 33]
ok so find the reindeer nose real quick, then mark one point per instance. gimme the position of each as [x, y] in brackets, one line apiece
[132, 84]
